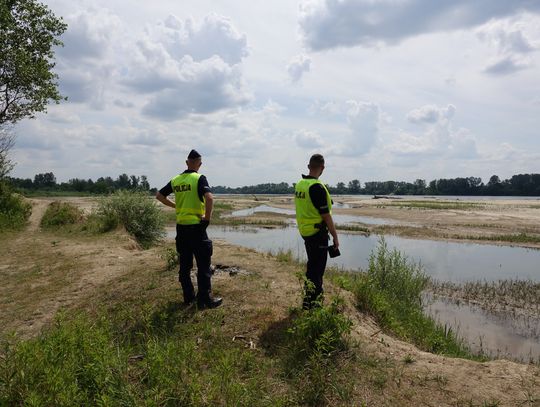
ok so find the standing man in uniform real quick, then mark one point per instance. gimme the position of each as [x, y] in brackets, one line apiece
[314, 219]
[193, 202]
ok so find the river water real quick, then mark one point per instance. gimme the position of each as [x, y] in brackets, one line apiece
[444, 261]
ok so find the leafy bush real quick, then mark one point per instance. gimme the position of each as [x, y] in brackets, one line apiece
[14, 211]
[61, 214]
[135, 211]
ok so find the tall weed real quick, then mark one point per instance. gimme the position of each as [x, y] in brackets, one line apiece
[391, 291]
[319, 331]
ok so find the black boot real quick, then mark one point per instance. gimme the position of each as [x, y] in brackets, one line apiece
[207, 301]
[190, 299]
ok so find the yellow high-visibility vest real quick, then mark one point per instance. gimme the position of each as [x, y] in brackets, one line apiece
[307, 215]
[189, 208]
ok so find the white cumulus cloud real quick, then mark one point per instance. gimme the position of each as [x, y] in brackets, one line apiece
[437, 138]
[86, 61]
[180, 78]
[214, 35]
[363, 119]
[511, 44]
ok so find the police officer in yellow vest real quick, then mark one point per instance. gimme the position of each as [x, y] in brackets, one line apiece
[193, 203]
[314, 219]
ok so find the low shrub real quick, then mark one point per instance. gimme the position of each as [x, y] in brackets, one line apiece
[135, 211]
[61, 214]
[391, 291]
[14, 210]
[319, 331]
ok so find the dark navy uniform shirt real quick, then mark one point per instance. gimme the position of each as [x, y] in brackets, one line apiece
[318, 196]
[202, 186]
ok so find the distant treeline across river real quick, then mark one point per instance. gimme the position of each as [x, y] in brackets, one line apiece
[517, 185]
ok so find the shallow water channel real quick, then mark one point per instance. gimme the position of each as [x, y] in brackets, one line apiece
[338, 218]
[445, 261]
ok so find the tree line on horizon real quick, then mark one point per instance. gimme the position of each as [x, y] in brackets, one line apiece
[46, 182]
[518, 185]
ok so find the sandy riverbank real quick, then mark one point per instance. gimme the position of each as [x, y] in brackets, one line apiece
[507, 222]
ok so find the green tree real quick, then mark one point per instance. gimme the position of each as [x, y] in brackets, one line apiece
[354, 187]
[145, 186]
[28, 34]
[341, 188]
[45, 180]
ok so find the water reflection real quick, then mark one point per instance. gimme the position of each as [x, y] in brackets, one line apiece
[338, 218]
[445, 261]
[494, 335]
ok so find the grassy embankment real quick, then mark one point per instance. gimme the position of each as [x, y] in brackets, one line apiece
[130, 344]
[391, 291]
[135, 349]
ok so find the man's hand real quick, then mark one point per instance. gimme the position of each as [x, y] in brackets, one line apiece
[336, 242]
[205, 223]
[165, 201]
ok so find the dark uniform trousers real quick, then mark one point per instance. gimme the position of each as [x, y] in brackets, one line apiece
[192, 240]
[317, 254]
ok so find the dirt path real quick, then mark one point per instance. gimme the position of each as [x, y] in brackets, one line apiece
[43, 272]
[39, 206]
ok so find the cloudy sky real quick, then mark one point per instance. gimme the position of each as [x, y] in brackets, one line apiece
[385, 89]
